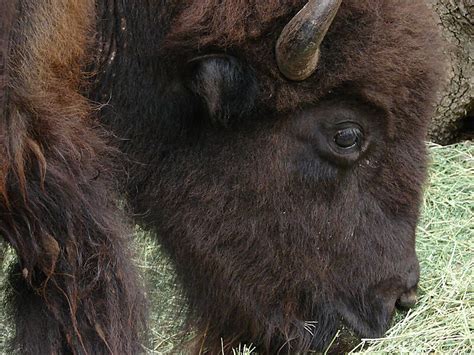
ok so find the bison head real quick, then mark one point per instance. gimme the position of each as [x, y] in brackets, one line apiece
[277, 150]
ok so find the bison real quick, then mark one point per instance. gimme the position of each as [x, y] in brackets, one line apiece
[275, 148]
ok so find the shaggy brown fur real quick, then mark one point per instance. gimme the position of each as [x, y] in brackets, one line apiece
[277, 236]
[74, 289]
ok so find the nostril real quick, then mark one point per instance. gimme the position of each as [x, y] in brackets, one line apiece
[407, 300]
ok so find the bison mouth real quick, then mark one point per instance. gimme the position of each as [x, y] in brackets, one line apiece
[370, 316]
[407, 300]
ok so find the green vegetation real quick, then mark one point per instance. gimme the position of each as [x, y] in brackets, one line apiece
[443, 320]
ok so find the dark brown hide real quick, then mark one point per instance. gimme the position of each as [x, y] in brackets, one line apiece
[277, 232]
[74, 289]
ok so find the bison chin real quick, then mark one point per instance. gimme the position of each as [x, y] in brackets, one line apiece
[369, 316]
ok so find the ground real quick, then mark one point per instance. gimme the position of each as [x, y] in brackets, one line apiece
[442, 321]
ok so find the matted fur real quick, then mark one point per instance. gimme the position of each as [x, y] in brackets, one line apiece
[274, 243]
[74, 289]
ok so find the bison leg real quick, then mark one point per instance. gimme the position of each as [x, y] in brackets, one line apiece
[74, 288]
[37, 332]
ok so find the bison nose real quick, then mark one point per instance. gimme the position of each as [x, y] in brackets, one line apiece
[407, 300]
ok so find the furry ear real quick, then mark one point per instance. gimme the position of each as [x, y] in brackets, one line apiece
[227, 87]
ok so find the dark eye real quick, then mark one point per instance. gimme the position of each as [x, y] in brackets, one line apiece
[348, 137]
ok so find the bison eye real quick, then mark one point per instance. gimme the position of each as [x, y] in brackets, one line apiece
[348, 137]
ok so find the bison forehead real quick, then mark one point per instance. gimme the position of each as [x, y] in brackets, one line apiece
[388, 49]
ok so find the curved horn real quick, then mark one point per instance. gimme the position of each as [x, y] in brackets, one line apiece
[297, 48]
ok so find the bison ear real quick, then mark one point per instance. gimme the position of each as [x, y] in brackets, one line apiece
[227, 87]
